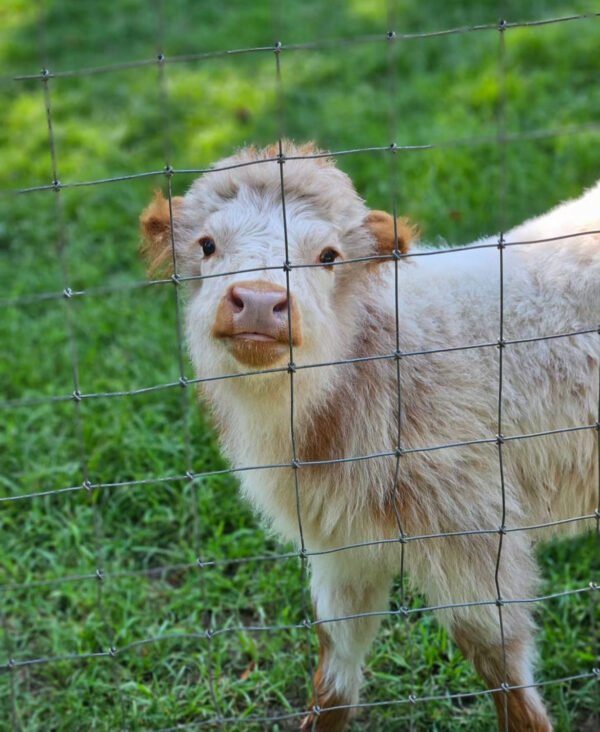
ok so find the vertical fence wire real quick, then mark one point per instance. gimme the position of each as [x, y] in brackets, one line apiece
[94, 498]
[277, 17]
[46, 78]
[192, 483]
[501, 203]
[392, 83]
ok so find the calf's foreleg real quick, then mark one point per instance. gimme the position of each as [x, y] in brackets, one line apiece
[343, 640]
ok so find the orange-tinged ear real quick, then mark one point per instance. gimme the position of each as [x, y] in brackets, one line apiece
[381, 225]
[155, 224]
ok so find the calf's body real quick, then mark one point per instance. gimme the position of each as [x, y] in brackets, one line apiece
[405, 420]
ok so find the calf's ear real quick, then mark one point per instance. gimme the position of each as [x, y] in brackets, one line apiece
[155, 225]
[388, 236]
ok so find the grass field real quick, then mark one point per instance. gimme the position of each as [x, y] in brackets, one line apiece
[53, 605]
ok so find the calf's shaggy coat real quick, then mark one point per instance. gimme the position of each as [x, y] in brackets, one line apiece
[232, 220]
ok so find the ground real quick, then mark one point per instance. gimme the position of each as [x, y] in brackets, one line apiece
[440, 91]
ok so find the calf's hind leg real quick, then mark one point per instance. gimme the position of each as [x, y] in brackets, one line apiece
[502, 652]
[518, 710]
[461, 571]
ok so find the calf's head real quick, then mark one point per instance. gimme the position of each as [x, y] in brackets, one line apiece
[269, 273]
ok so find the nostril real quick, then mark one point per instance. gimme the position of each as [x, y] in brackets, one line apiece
[281, 306]
[236, 300]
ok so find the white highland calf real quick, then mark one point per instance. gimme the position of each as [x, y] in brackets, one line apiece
[232, 220]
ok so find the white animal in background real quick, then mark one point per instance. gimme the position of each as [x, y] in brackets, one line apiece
[232, 220]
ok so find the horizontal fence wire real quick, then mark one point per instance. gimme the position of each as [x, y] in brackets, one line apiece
[177, 279]
[316, 45]
[100, 574]
[170, 172]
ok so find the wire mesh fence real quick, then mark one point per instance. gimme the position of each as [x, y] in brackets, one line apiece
[99, 549]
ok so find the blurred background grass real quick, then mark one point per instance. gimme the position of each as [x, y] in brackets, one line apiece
[110, 124]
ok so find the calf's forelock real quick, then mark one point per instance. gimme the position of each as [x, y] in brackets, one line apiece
[326, 191]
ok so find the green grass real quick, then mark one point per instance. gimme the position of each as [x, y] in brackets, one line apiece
[447, 89]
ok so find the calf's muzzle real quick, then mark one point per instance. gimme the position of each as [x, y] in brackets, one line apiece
[253, 320]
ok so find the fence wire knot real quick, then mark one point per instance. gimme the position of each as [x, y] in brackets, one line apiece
[67, 293]
[390, 35]
[100, 574]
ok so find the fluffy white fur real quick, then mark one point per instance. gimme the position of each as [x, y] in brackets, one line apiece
[444, 301]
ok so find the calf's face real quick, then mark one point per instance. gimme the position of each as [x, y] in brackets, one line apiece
[270, 276]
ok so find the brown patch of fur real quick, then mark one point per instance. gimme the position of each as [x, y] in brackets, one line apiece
[347, 411]
[155, 225]
[326, 697]
[324, 439]
[525, 713]
[381, 225]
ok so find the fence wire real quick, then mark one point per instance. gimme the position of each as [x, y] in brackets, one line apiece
[100, 574]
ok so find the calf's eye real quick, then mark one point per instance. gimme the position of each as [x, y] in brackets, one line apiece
[328, 256]
[208, 245]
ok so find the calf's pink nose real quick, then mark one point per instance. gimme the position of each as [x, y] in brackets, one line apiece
[258, 310]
